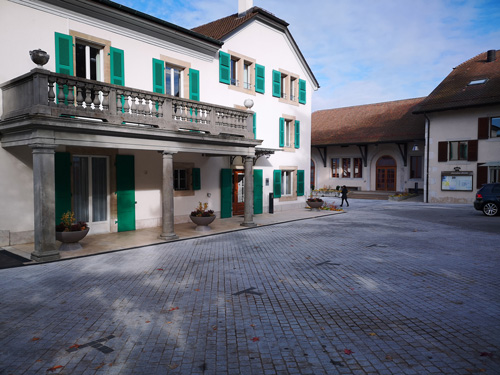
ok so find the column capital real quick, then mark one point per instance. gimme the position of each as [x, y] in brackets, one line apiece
[43, 148]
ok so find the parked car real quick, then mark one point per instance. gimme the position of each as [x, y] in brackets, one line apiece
[488, 199]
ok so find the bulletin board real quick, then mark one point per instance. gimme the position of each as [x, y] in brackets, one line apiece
[456, 181]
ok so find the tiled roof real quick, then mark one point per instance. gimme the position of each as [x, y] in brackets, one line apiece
[220, 28]
[455, 92]
[371, 123]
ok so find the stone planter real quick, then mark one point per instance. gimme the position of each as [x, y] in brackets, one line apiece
[315, 205]
[202, 222]
[70, 239]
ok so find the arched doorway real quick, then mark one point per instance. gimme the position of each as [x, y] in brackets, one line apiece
[313, 174]
[386, 173]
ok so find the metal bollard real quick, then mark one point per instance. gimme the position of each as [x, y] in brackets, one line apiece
[271, 203]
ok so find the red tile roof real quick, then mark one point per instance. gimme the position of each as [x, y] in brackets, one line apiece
[455, 92]
[371, 123]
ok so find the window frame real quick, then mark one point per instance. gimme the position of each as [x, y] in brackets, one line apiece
[184, 66]
[242, 74]
[293, 172]
[357, 165]
[188, 167]
[335, 168]
[416, 167]
[346, 172]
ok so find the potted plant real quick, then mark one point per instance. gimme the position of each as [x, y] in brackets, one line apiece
[69, 231]
[202, 217]
[314, 202]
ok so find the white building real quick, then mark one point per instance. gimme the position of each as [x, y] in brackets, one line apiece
[134, 120]
[463, 131]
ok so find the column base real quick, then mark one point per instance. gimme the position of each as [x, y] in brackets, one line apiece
[248, 224]
[168, 237]
[48, 256]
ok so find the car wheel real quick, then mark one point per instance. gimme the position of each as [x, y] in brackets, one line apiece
[490, 209]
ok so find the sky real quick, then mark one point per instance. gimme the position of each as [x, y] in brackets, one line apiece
[364, 51]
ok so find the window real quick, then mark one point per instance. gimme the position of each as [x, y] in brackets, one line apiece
[234, 72]
[495, 127]
[416, 167]
[346, 168]
[289, 133]
[89, 61]
[240, 72]
[335, 167]
[458, 150]
[173, 81]
[286, 183]
[246, 76]
[293, 83]
[283, 85]
[478, 81]
[358, 168]
[180, 179]
[494, 174]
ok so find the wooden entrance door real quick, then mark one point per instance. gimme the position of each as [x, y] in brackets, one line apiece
[386, 174]
[238, 192]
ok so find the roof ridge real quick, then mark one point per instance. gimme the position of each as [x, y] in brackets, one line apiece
[372, 104]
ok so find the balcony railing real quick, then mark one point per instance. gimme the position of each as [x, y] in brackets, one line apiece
[42, 92]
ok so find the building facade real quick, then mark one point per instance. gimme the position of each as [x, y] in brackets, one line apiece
[374, 147]
[134, 120]
[463, 131]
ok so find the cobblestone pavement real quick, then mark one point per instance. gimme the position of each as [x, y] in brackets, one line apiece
[365, 292]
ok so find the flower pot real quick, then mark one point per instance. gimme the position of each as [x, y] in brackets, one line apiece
[70, 239]
[202, 222]
[314, 205]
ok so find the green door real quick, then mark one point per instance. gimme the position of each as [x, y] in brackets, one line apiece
[258, 186]
[226, 190]
[125, 192]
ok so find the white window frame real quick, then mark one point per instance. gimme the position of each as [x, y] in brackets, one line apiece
[170, 71]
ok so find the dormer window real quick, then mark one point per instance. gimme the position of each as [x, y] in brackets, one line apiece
[477, 81]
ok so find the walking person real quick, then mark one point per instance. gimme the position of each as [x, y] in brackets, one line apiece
[344, 196]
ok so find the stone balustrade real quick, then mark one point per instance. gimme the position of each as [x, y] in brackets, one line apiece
[42, 92]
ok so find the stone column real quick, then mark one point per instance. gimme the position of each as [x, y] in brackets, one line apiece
[45, 203]
[248, 220]
[167, 194]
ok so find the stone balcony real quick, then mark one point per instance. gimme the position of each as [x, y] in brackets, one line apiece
[68, 101]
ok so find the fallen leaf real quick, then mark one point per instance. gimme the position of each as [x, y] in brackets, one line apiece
[373, 334]
[100, 366]
[35, 339]
[196, 290]
[159, 269]
[169, 322]
[173, 309]
[255, 339]
[148, 321]
[252, 325]
[173, 366]
[54, 368]
[74, 346]
[214, 328]
[348, 351]
[388, 357]
[486, 354]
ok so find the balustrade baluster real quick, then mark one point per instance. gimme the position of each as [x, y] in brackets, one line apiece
[51, 94]
[119, 96]
[60, 96]
[71, 93]
[97, 99]
[79, 96]
[147, 106]
[126, 104]
[105, 99]
[88, 98]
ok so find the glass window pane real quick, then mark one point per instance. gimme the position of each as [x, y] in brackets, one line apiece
[99, 190]
[81, 188]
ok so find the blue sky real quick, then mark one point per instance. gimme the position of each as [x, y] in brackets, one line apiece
[364, 51]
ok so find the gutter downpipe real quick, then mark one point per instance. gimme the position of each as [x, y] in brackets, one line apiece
[426, 161]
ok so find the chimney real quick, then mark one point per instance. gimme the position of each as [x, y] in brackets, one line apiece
[491, 55]
[244, 6]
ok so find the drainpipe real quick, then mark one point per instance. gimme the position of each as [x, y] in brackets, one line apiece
[427, 136]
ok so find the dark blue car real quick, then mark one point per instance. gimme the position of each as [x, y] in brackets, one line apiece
[488, 199]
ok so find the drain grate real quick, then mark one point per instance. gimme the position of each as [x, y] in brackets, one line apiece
[96, 344]
[247, 291]
[328, 262]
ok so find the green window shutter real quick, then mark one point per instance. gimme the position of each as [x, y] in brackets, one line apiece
[302, 91]
[62, 184]
[226, 183]
[260, 78]
[117, 64]
[297, 134]
[300, 183]
[64, 54]
[196, 179]
[282, 132]
[255, 125]
[277, 183]
[258, 187]
[158, 76]
[224, 68]
[194, 84]
[276, 84]
[125, 192]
